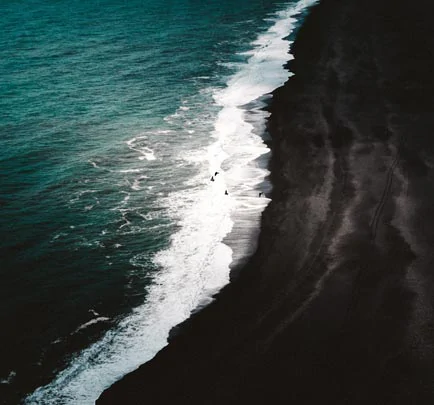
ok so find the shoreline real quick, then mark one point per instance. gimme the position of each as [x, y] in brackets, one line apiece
[336, 304]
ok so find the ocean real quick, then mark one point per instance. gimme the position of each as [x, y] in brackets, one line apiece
[133, 148]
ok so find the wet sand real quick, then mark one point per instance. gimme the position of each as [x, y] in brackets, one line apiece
[336, 306]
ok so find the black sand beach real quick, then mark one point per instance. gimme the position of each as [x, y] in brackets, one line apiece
[336, 306]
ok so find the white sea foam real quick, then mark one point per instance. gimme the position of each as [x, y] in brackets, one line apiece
[148, 154]
[136, 184]
[196, 264]
[133, 170]
[94, 164]
[139, 144]
[236, 138]
[90, 323]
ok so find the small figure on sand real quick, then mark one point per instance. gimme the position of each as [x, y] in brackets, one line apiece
[216, 173]
[212, 178]
[261, 194]
[226, 192]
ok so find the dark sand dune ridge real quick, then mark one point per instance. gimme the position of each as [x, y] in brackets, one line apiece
[336, 306]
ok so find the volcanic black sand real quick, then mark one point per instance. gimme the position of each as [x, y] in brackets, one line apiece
[336, 306]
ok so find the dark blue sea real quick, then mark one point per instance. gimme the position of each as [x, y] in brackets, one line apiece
[114, 118]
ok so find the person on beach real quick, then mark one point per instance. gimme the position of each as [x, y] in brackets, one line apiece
[226, 192]
[260, 194]
[212, 178]
[216, 173]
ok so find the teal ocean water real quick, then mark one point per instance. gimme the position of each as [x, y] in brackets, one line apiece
[114, 116]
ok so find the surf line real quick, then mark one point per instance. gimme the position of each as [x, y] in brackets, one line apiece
[177, 290]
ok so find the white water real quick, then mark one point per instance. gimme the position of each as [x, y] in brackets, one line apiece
[197, 262]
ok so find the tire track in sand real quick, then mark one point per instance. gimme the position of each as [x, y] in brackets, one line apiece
[384, 197]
